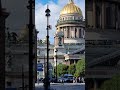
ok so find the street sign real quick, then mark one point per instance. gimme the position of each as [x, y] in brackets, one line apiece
[40, 67]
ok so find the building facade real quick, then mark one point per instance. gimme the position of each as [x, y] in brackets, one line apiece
[102, 41]
[69, 43]
[3, 17]
[17, 59]
[103, 14]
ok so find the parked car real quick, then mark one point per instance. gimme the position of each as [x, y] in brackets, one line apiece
[53, 80]
[63, 79]
[66, 78]
[40, 80]
[70, 79]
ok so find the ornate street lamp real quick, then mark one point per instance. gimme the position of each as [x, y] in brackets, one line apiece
[56, 63]
[46, 82]
[31, 55]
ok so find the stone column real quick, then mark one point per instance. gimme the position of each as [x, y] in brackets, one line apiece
[67, 32]
[82, 32]
[64, 30]
[78, 32]
[103, 14]
[70, 32]
[117, 17]
[95, 84]
[94, 14]
[74, 32]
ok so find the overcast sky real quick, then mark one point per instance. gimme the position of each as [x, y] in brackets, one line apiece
[55, 6]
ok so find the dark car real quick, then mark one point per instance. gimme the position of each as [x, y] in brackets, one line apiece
[70, 79]
[53, 80]
[66, 78]
[41, 80]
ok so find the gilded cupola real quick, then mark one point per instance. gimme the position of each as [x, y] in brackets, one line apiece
[71, 8]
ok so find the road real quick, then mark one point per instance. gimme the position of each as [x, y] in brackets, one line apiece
[62, 86]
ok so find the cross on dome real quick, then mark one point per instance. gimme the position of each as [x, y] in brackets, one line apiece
[71, 1]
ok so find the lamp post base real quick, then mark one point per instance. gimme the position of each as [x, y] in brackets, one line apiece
[46, 84]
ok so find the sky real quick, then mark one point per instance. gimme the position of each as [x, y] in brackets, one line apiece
[55, 7]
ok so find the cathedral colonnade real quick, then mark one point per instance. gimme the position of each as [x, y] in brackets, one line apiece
[103, 14]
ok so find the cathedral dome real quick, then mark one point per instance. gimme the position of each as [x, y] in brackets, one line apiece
[71, 8]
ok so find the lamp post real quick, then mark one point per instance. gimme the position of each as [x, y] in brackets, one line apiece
[56, 63]
[31, 27]
[46, 82]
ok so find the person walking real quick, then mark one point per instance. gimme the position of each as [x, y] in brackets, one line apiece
[73, 79]
[76, 80]
[79, 79]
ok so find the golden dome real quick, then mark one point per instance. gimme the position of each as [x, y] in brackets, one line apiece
[71, 8]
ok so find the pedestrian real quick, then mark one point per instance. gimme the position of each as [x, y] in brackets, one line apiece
[76, 79]
[73, 79]
[79, 79]
[82, 80]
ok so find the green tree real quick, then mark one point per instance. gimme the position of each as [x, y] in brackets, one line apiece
[112, 84]
[80, 68]
[39, 42]
[72, 69]
[61, 69]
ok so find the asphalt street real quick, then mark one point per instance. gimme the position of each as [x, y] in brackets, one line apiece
[62, 86]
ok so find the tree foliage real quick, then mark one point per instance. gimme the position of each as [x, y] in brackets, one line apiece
[39, 42]
[112, 84]
[61, 69]
[80, 68]
[72, 69]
